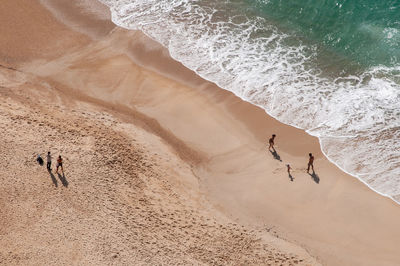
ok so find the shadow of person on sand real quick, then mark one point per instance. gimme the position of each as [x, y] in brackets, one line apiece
[53, 178]
[291, 177]
[63, 179]
[276, 155]
[315, 177]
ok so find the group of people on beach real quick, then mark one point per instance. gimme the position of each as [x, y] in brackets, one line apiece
[271, 146]
[310, 159]
[49, 158]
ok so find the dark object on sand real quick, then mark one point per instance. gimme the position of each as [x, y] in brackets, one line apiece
[40, 160]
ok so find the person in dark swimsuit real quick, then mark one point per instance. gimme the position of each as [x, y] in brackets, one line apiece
[271, 142]
[59, 164]
[288, 168]
[310, 162]
[49, 161]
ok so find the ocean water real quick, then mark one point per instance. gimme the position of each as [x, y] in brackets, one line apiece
[329, 67]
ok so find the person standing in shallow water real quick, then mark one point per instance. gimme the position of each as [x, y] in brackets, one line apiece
[271, 142]
[48, 161]
[310, 162]
[59, 164]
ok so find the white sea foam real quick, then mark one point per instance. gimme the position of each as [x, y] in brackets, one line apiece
[356, 117]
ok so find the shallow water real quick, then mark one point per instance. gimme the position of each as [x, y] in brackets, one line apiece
[329, 67]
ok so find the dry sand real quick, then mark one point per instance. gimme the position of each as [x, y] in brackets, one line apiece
[161, 167]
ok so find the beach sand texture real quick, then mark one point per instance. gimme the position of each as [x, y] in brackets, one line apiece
[161, 166]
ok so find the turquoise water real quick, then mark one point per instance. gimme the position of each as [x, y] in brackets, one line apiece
[330, 68]
[367, 31]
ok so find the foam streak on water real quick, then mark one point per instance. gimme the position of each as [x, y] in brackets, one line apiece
[355, 113]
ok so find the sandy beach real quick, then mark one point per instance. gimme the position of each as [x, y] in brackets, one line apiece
[161, 166]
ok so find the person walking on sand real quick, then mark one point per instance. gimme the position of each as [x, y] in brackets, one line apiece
[271, 142]
[48, 161]
[288, 168]
[59, 164]
[310, 163]
[288, 171]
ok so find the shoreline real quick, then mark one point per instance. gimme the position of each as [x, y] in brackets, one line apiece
[128, 194]
[127, 70]
[336, 163]
[243, 99]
